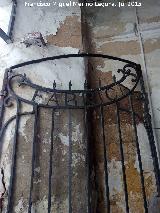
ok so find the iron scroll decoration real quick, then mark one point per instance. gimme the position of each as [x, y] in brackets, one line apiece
[8, 95]
[131, 69]
[91, 98]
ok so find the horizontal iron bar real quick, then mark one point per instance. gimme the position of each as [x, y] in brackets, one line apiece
[73, 56]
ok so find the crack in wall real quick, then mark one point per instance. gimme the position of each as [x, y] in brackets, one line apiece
[4, 190]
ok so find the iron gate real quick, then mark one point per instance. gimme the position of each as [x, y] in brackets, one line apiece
[86, 102]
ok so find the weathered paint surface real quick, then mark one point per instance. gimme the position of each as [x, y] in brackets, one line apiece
[113, 31]
[61, 29]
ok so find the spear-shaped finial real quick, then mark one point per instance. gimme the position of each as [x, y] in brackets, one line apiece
[54, 84]
[114, 79]
[85, 84]
[70, 85]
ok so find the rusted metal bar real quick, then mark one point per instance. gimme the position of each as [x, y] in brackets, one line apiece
[34, 142]
[105, 160]
[14, 157]
[51, 164]
[139, 155]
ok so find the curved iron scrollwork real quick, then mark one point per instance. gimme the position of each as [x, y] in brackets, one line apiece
[85, 99]
[105, 93]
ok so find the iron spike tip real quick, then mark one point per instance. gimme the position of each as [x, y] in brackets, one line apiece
[114, 78]
[70, 85]
[85, 84]
[54, 84]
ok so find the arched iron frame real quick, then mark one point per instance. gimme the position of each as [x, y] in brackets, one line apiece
[70, 101]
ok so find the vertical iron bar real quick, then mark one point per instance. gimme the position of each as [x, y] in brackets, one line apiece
[14, 157]
[122, 153]
[70, 161]
[149, 130]
[87, 163]
[139, 155]
[2, 96]
[122, 157]
[87, 151]
[105, 159]
[50, 165]
[33, 156]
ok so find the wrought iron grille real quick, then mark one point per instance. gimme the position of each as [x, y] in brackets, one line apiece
[85, 102]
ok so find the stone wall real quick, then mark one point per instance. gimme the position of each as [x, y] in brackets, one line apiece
[122, 32]
[61, 30]
[132, 34]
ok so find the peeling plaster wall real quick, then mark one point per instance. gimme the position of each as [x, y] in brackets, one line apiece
[48, 21]
[61, 30]
[5, 10]
[113, 31]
